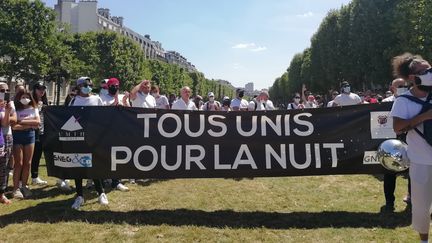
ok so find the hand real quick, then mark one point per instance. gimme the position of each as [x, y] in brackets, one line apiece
[303, 88]
[8, 106]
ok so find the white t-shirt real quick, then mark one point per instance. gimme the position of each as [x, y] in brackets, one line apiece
[27, 114]
[180, 104]
[292, 106]
[144, 100]
[330, 103]
[162, 102]
[108, 100]
[389, 99]
[261, 106]
[237, 104]
[92, 100]
[211, 106]
[419, 151]
[310, 105]
[7, 130]
[347, 99]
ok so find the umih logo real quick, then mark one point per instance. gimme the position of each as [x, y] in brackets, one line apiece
[72, 130]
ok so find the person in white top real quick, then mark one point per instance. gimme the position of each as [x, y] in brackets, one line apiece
[140, 95]
[85, 98]
[334, 94]
[161, 100]
[398, 87]
[113, 97]
[261, 102]
[184, 103]
[296, 103]
[24, 139]
[346, 97]
[211, 104]
[238, 103]
[406, 117]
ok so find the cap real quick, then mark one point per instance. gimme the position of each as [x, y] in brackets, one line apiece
[210, 94]
[226, 98]
[82, 80]
[113, 81]
[39, 84]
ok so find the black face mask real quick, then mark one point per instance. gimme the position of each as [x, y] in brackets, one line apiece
[112, 90]
[425, 88]
[241, 94]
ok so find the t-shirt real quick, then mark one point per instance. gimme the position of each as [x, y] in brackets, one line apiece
[261, 106]
[211, 106]
[237, 104]
[310, 105]
[162, 102]
[108, 100]
[27, 114]
[7, 130]
[292, 106]
[389, 99]
[419, 151]
[180, 104]
[91, 100]
[347, 99]
[144, 100]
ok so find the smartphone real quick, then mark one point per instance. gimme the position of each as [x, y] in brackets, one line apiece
[5, 96]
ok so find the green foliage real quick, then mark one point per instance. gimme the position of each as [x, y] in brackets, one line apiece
[356, 43]
[27, 34]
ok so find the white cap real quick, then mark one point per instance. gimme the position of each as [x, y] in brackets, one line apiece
[210, 94]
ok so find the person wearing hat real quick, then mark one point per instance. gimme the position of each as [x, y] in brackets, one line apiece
[211, 104]
[85, 98]
[346, 97]
[226, 103]
[261, 102]
[238, 103]
[103, 87]
[40, 97]
[113, 98]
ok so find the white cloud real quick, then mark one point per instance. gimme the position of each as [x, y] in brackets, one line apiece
[244, 46]
[260, 48]
[306, 15]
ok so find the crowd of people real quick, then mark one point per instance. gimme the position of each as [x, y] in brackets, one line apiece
[22, 130]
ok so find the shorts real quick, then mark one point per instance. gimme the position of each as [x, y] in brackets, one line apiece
[23, 137]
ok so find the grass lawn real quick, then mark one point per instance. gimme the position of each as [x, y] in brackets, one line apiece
[291, 209]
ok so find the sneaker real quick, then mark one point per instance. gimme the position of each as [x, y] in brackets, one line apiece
[79, 201]
[122, 187]
[26, 191]
[103, 199]
[38, 181]
[63, 185]
[17, 194]
[388, 208]
[89, 183]
[132, 181]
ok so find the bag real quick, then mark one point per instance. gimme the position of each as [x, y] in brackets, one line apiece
[427, 125]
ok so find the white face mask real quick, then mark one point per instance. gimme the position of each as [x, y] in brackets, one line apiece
[346, 90]
[25, 101]
[426, 79]
[400, 91]
[104, 92]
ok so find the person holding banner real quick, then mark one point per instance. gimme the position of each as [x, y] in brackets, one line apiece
[261, 102]
[161, 100]
[238, 103]
[296, 103]
[184, 103]
[85, 98]
[411, 113]
[23, 142]
[7, 116]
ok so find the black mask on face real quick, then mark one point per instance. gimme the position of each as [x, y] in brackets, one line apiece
[241, 94]
[425, 88]
[112, 90]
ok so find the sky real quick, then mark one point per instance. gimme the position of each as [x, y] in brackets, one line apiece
[240, 41]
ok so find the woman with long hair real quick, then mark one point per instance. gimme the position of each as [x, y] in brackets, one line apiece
[24, 139]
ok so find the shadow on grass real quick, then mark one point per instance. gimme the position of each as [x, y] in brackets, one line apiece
[58, 211]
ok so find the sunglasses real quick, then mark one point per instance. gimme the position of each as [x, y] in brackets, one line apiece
[4, 90]
[87, 85]
[296, 97]
[403, 86]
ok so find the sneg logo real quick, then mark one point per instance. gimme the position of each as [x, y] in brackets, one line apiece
[382, 120]
[73, 160]
[72, 130]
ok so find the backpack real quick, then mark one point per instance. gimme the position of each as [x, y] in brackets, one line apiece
[256, 104]
[427, 125]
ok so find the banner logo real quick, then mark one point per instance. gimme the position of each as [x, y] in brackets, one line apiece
[73, 160]
[381, 125]
[370, 158]
[71, 130]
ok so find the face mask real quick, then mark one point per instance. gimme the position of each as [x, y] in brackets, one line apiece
[425, 79]
[346, 90]
[241, 94]
[104, 92]
[25, 101]
[211, 99]
[112, 90]
[86, 90]
[400, 91]
[296, 100]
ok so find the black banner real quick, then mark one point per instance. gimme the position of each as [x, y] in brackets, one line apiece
[125, 142]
